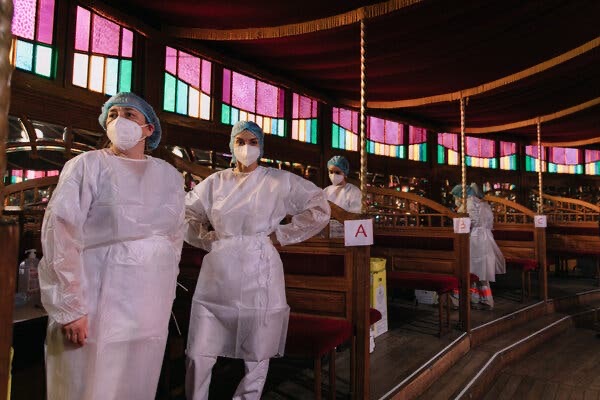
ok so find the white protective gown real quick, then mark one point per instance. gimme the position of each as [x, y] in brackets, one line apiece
[112, 238]
[346, 196]
[486, 257]
[239, 308]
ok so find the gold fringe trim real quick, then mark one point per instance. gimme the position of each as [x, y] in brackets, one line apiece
[533, 121]
[335, 21]
[486, 87]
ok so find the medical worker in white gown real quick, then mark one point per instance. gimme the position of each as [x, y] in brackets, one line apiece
[112, 237]
[486, 257]
[341, 192]
[239, 308]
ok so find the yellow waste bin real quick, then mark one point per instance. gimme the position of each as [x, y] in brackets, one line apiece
[378, 294]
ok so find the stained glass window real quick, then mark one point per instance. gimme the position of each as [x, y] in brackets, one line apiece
[20, 175]
[304, 119]
[480, 153]
[592, 162]
[562, 160]
[248, 99]
[187, 84]
[417, 143]
[345, 129]
[448, 149]
[32, 27]
[531, 157]
[508, 156]
[385, 138]
[103, 54]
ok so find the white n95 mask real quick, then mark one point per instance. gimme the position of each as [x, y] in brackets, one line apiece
[246, 154]
[124, 133]
[336, 179]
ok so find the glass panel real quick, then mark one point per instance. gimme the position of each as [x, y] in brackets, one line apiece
[105, 36]
[194, 103]
[169, 94]
[227, 86]
[46, 21]
[206, 76]
[267, 99]
[24, 59]
[125, 76]
[43, 60]
[376, 129]
[97, 74]
[243, 92]
[171, 60]
[416, 135]
[204, 106]
[182, 97]
[82, 30]
[225, 114]
[189, 69]
[23, 23]
[127, 43]
[80, 70]
[112, 73]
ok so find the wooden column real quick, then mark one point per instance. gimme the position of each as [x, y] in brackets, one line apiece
[362, 282]
[540, 249]
[464, 259]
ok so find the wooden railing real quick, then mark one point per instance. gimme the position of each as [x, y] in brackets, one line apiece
[563, 210]
[33, 192]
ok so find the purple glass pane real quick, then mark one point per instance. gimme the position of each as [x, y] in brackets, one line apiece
[82, 30]
[226, 86]
[45, 21]
[307, 107]
[206, 76]
[105, 36]
[313, 112]
[24, 18]
[449, 140]
[376, 131]
[189, 69]
[592, 156]
[416, 135]
[346, 119]
[267, 99]
[355, 128]
[243, 92]
[295, 105]
[127, 43]
[336, 115]
[281, 106]
[507, 149]
[393, 133]
[171, 60]
[488, 148]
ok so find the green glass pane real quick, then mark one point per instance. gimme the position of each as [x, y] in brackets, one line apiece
[225, 114]
[468, 161]
[552, 167]
[235, 115]
[111, 75]
[169, 95]
[335, 136]
[125, 75]
[423, 151]
[24, 56]
[579, 169]
[313, 130]
[441, 154]
[43, 61]
[182, 97]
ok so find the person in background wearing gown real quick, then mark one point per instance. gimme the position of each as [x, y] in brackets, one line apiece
[111, 238]
[341, 192]
[486, 257]
[239, 309]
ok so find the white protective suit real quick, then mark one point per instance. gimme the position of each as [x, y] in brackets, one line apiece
[112, 238]
[346, 196]
[239, 308]
[486, 257]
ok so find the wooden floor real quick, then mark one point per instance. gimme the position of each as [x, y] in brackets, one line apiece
[567, 367]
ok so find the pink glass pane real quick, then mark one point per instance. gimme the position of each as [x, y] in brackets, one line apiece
[348, 120]
[482, 148]
[564, 156]
[206, 76]
[45, 21]
[227, 86]
[295, 105]
[533, 151]
[376, 129]
[105, 36]
[267, 97]
[448, 140]
[336, 115]
[171, 61]
[281, 106]
[507, 149]
[127, 43]
[304, 107]
[189, 69]
[243, 92]
[416, 135]
[82, 30]
[592, 156]
[394, 132]
[24, 18]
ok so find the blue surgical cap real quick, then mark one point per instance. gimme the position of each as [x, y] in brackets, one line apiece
[341, 163]
[251, 127]
[472, 190]
[125, 99]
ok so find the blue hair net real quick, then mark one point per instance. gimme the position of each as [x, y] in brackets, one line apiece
[472, 190]
[125, 99]
[341, 163]
[251, 127]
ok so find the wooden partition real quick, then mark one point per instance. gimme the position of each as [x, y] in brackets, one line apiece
[518, 238]
[416, 234]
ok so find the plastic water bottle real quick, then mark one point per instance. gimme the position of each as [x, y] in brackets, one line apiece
[29, 286]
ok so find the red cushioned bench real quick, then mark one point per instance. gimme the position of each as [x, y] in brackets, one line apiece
[525, 265]
[443, 285]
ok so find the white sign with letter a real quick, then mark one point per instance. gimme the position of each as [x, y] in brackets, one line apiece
[462, 225]
[358, 232]
[540, 221]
